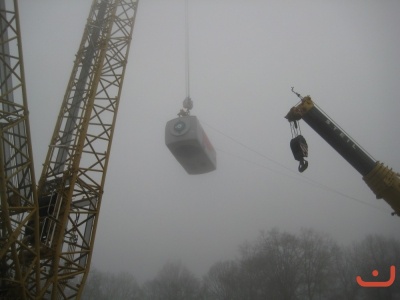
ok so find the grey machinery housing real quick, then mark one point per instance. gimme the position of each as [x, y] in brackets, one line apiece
[188, 142]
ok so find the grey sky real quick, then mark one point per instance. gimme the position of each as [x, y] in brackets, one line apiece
[244, 57]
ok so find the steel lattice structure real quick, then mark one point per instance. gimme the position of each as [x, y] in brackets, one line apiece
[19, 264]
[56, 229]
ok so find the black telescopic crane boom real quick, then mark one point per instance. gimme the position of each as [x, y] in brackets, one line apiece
[332, 134]
[382, 180]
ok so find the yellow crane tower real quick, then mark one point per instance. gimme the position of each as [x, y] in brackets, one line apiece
[48, 230]
[19, 276]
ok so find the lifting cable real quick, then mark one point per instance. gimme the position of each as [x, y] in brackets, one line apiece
[295, 129]
[295, 125]
[187, 62]
[293, 175]
[187, 102]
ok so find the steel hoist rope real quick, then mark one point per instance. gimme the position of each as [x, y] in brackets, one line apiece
[187, 102]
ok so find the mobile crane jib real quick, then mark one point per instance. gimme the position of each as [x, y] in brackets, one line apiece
[382, 180]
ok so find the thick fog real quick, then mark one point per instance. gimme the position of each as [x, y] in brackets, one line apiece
[244, 58]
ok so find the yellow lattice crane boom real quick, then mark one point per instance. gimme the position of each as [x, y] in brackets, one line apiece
[19, 261]
[47, 241]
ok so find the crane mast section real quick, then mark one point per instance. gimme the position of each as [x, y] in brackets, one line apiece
[19, 258]
[73, 176]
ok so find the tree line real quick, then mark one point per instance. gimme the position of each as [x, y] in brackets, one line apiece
[276, 265]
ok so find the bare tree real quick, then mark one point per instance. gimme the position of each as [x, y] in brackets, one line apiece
[223, 281]
[345, 266]
[277, 265]
[123, 286]
[173, 282]
[270, 267]
[284, 258]
[252, 272]
[107, 286]
[92, 290]
[378, 253]
[316, 264]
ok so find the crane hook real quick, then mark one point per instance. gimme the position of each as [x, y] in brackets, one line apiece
[187, 106]
[297, 94]
[303, 165]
